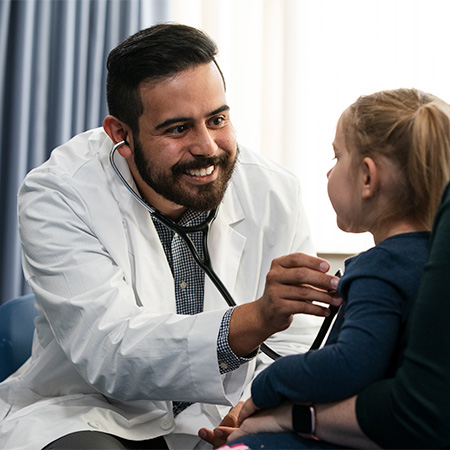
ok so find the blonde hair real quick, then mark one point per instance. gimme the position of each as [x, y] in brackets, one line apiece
[412, 129]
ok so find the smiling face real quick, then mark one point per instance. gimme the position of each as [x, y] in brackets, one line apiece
[186, 148]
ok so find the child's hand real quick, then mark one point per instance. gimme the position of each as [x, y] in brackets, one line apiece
[247, 410]
[270, 420]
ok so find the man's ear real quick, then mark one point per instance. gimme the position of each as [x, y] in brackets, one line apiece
[370, 178]
[119, 131]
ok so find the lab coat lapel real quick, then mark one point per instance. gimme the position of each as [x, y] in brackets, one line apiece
[225, 246]
[105, 212]
[152, 275]
[153, 281]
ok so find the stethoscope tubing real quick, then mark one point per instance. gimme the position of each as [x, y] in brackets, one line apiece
[183, 232]
[205, 262]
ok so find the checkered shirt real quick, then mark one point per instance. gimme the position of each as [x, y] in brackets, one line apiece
[189, 282]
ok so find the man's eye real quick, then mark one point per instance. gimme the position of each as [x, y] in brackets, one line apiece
[177, 130]
[217, 121]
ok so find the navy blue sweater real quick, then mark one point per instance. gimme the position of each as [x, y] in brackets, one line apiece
[365, 343]
[411, 410]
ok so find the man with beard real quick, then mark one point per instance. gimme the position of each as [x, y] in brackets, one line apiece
[135, 348]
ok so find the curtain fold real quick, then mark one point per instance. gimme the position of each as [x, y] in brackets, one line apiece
[52, 86]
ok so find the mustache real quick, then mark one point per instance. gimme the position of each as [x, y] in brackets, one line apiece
[201, 163]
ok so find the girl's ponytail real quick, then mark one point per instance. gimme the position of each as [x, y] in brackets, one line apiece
[428, 168]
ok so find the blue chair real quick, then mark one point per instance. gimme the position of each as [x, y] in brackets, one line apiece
[16, 333]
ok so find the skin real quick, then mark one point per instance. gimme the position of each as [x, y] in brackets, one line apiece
[344, 185]
[335, 422]
[360, 192]
[185, 118]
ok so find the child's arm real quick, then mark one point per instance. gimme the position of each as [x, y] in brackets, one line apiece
[361, 355]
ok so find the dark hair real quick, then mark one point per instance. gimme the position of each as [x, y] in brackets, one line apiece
[157, 52]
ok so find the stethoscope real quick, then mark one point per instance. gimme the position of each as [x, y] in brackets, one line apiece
[205, 262]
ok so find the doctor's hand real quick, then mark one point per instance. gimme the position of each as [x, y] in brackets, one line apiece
[219, 435]
[293, 283]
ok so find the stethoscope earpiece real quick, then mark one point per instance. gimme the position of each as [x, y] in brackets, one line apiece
[119, 144]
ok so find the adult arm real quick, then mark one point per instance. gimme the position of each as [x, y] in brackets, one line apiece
[335, 423]
[84, 288]
[123, 345]
[292, 283]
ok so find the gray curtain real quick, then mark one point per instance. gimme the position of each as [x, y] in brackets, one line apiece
[52, 86]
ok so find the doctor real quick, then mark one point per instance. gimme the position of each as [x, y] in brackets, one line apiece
[134, 347]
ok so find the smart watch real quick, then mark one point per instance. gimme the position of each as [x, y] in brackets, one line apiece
[304, 420]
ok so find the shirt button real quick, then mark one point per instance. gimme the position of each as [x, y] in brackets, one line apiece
[183, 285]
[223, 365]
[166, 424]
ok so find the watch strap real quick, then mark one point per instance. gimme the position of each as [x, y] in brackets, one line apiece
[304, 420]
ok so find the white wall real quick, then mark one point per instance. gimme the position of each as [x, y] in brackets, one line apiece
[293, 66]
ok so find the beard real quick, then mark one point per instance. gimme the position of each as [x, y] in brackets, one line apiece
[167, 182]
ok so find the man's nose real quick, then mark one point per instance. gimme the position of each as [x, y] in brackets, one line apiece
[203, 142]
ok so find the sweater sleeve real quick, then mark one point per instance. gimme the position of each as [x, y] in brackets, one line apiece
[411, 410]
[360, 355]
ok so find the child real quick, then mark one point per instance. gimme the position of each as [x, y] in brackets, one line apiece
[392, 153]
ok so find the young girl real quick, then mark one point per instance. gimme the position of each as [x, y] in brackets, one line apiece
[392, 153]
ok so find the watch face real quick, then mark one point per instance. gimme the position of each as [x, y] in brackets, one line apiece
[302, 420]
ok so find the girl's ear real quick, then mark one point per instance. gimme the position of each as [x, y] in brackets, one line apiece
[119, 131]
[370, 178]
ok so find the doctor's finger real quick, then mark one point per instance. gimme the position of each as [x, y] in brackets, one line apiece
[302, 276]
[311, 294]
[289, 306]
[304, 260]
[280, 293]
[216, 437]
[311, 309]
[207, 435]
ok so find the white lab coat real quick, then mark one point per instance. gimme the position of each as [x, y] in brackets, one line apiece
[110, 352]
